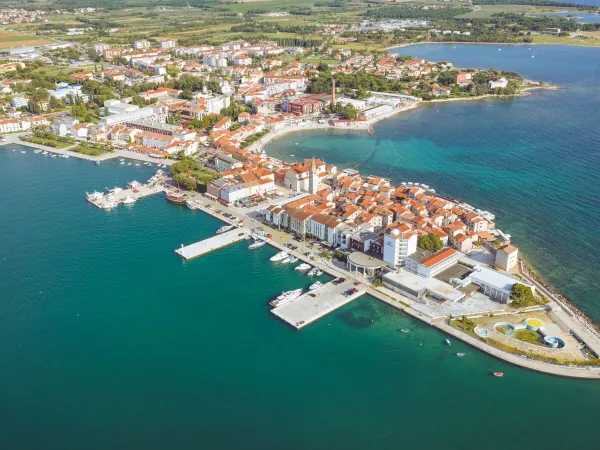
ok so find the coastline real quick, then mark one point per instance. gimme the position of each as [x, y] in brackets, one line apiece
[409, 44]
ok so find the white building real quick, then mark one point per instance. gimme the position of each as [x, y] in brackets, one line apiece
[507, 258]
[167, 44]
[148, 113]
[66, 92]
[427, 265]
[100, 47]
[142, 44]
[499, 83]
[397, 246]
[496, 285]
[19, 102]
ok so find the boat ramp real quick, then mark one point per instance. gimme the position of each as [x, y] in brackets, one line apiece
[213, 243]
[315, 304]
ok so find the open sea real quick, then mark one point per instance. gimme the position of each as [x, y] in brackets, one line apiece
[108, 340]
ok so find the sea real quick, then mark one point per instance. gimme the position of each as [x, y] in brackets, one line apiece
[109, 340]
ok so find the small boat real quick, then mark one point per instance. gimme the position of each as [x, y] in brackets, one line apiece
[45, 153]
[53, 156]
[448, 342]
[97, 163]
[225, 228]
[286, 297]
[318, 273]
[122, 162]
[36, 151]
[316, 285]
[128, 164]
[279, 256]
[460, 354]
[177, 198]
[290, 260]
[94, 195]
[109, 205]
[303, 267]
[313, 272]
[256, 244]
[128, 200]
[498, 374]
[404, 330]
[133, 184]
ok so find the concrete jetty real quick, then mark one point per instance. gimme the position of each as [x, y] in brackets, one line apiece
[213, 243]
[112, 199]
[315, 304]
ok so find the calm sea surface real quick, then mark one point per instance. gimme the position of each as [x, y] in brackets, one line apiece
[109, 341]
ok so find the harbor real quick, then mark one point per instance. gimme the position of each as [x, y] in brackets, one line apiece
[317, 303]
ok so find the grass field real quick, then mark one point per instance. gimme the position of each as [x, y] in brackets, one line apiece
[10, 39]
[486, 11]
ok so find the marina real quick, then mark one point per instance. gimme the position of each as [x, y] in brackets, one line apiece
[213, 243]
[317, 303]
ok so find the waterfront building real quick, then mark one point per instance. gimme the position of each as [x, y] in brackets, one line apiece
[507, 258]
[398, 244]
[494, 284]
[498, 83]
[427, 265]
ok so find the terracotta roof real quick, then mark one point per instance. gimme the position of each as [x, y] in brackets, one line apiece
[438, 257]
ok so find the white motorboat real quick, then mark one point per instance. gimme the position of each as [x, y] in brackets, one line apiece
[316, 285]
[23, 151]
[133, 184]
[279, 256]
[291, 259]
[37, 150]
[94, 195]
[448, 342]
[312, 272]
[122, 162]
[303, 267]
[128, 164]
[286, 297]
[129, 200]
[256, 244]
[45, 153]
[53, 156]
[225, 228]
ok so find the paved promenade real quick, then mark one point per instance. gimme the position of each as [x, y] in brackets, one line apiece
[14, 139]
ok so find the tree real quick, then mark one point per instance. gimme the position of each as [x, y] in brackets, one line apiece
[430, 242]
[522, 296]
[185, 180]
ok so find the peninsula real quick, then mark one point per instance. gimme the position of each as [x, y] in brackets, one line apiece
[206, 109]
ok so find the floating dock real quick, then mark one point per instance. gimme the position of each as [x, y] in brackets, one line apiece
[208, 245]
[315, 304]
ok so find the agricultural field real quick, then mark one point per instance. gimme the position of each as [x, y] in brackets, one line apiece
[10, 39]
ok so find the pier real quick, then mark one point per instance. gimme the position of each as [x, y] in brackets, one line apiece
[115, 198]
[315, 304]
[213, 243]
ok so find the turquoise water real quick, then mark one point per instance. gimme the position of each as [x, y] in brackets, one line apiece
[533, 161]
[109, 340]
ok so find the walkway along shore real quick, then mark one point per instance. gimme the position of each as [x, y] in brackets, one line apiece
[279, 238]
[14, 139]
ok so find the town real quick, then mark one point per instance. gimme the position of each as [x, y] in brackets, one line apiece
[209, 110]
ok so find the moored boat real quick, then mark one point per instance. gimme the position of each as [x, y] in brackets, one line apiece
[291, 259]
[460, 354]
[225, 228]
[498, 374]
[94, 195]
[128, 200]
[315, 285]
[286, 297]
[176, 197]
[256, 244]
[448, 342]
[404, 330]
[279, 256]
[303, 267]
